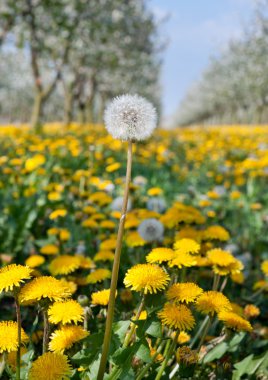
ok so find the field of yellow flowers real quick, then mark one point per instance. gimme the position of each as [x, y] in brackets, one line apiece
[191, 300]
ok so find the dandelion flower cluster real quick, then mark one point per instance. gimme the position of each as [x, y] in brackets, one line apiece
[13, 275]
[178, 317]
[65, 312]
[44, 287]
[9, 336]
[50, 366]
[130, 118]
[65, 337]
[148, 278]
[184, 292]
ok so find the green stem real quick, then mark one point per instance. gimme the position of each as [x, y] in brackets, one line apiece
[143, 372]
[19, 337]
[111, 305]
[133, 327]
[199, 332]
[169, 349]
[183, 274]
[46, 331]
[206, 328]
[216, 281]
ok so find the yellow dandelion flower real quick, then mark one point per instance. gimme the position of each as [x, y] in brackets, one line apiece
[183, 260]
[58, 213]
[9, 336]
[184, 292]
[190, 233]
[64, 264]
[65, 337]
[212, 302]
[34, 162]
[264, 267]
[178, 317]
[220, 257]
[64, 235]
[69, 285]
[238, 278]
[261, 284]
[34, 261]
[44, 287]
[104, 256]
[113, 167]
[251, 311]
[86, 263]
[186, 245]
[149, 278]
[234, 321]
[13, 275]
[49, 249]
[183, 337]
[50, 366]
[216, 233]
[153, 191]
[160, 255]
[65, 312]
[90, 223]
[133, 239]
[98, 275]
[108, 244]
[101, 297]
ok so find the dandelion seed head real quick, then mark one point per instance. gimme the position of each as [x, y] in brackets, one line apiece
[130, 118]
[151, 230]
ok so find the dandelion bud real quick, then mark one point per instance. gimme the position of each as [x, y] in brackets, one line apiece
[130, 118]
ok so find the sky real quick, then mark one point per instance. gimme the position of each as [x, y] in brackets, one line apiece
[195, 30]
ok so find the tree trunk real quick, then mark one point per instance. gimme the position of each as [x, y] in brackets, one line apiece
[68, 107]
[37, 112]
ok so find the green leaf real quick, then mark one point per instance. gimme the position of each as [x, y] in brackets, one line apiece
[235, 341]
[250, 365]
[216, 352]
[86, 356]
[154, 329]
[143, 352]
[120, 329]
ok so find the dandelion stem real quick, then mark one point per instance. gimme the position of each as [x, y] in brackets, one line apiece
[143, 372]
[46, 331]
[19, 337]
[111, 305]
[206, 328]
[169, 348]
[216, 281]
[201, 328]
[133, 327]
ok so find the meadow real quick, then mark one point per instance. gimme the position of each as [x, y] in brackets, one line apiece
[192, 291]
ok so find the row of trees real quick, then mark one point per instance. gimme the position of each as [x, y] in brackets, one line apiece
[66, 58]
[234, 87]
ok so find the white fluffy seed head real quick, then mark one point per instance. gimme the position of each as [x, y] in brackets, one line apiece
[130, 118]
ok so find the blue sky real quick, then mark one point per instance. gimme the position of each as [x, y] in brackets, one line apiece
[196, 29]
